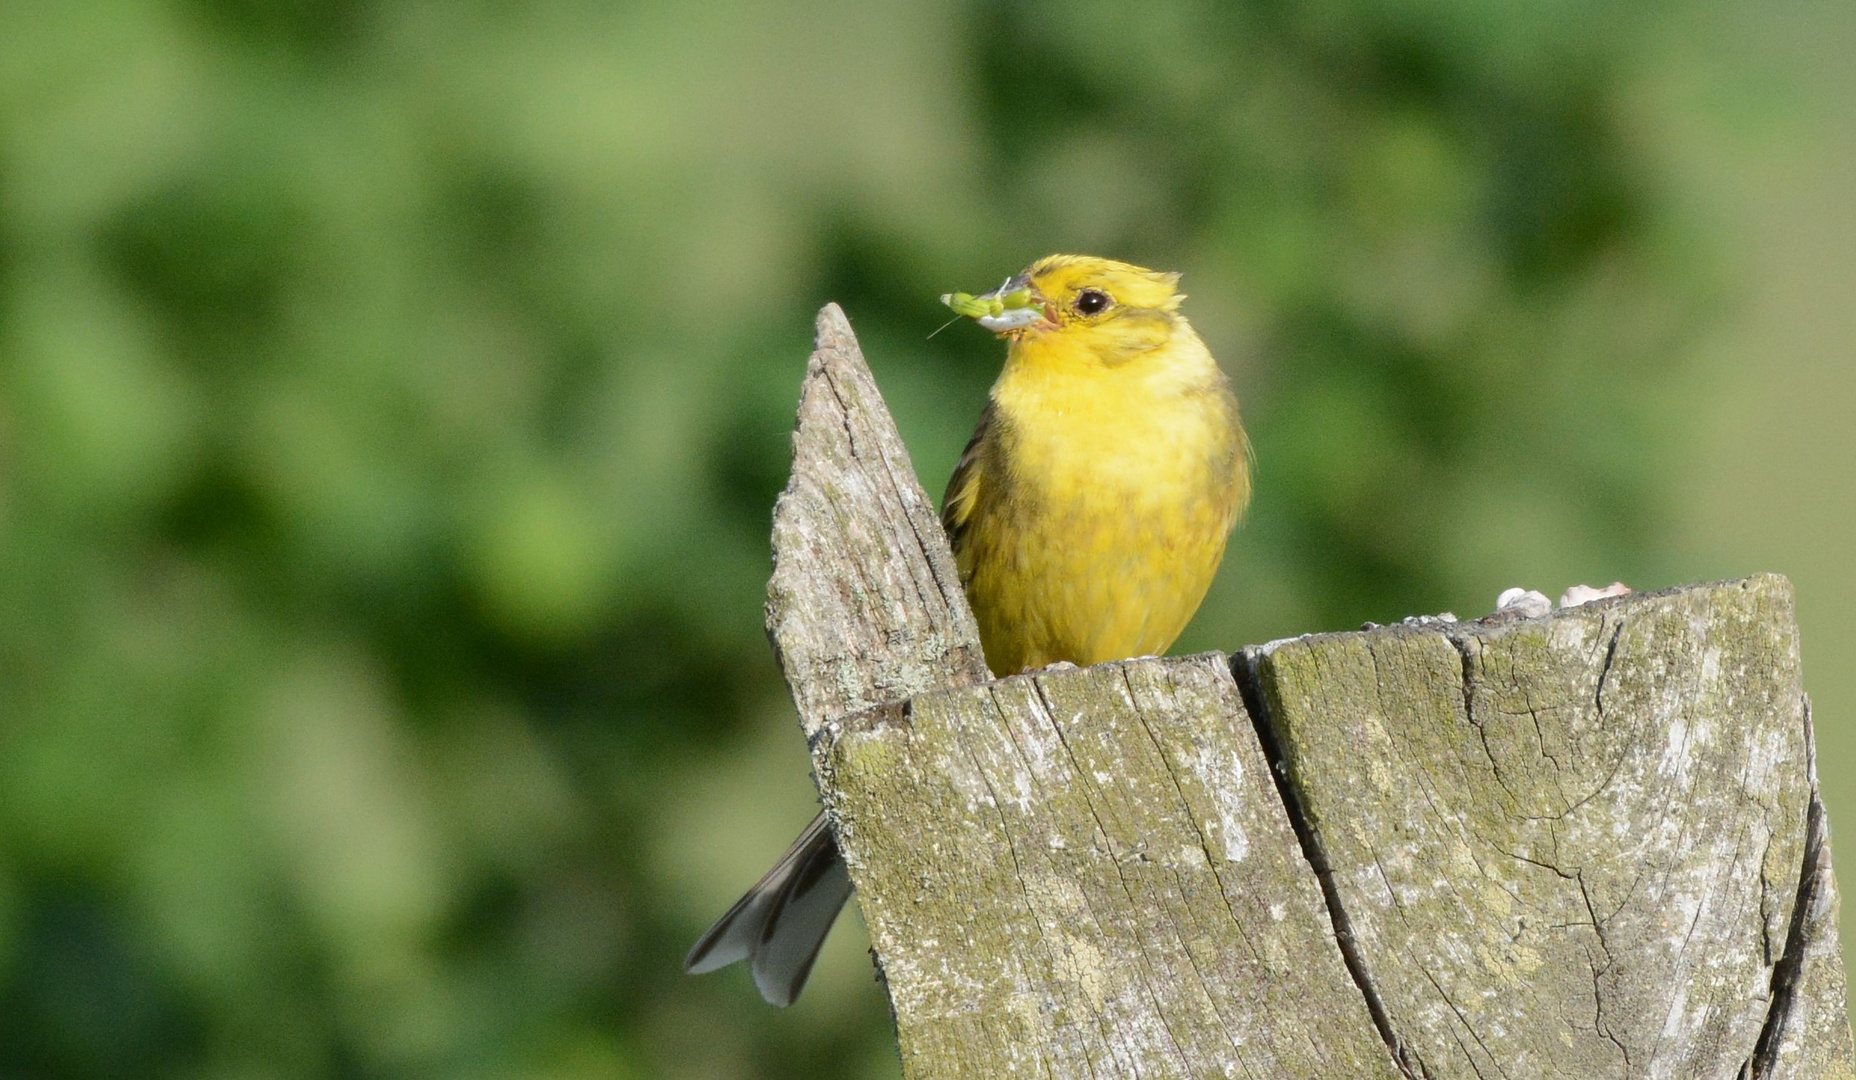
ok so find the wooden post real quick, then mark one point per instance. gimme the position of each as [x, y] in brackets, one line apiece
[1582, 845]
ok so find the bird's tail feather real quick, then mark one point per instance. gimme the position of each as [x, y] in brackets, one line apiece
[780, 923]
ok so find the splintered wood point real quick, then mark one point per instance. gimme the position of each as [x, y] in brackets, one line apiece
[865, 604]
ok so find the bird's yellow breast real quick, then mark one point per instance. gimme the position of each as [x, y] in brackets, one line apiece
[1105, 487]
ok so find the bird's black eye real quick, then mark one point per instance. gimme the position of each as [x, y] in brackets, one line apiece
[1091, 302]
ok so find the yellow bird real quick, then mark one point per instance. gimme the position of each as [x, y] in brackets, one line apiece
[1091, 509]
[1088, 515]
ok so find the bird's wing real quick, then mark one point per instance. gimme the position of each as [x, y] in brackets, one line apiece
[963, 489]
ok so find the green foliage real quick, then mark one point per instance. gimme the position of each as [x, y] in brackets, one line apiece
[393, 394]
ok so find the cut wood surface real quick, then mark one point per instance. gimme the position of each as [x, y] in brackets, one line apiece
[1565, 846]
[1586, 844]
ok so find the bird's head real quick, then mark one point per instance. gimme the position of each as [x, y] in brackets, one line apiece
[1111, 308]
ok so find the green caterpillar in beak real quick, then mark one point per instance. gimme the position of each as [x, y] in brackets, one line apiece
[1008, 307]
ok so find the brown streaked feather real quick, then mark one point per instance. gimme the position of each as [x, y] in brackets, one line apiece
[963, 487]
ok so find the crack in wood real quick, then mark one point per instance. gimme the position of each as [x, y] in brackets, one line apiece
[1785, 973]
[1244, 670]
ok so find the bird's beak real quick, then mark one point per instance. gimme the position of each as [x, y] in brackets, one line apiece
[1012, 306]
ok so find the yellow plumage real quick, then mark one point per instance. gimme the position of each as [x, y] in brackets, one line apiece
[1092, 507]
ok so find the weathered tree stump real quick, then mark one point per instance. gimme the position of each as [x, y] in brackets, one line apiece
[1582, 845]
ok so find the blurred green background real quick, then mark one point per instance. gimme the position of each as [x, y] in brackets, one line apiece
[393, 394]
